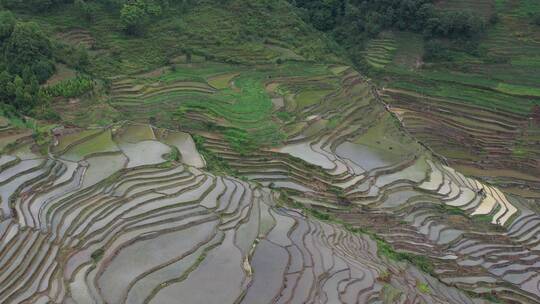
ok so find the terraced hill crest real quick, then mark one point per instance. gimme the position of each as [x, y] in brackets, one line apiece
[246, 151]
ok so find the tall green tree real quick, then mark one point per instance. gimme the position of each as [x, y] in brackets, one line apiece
[86, 9]
[135, 15]
[29, 48]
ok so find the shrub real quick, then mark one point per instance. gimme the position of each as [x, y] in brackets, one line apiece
[97, 255]
[48, 114]
[29, 48]
[421, 262]
[240, 141]
[71, 87]
[423, 288]
[136, 14]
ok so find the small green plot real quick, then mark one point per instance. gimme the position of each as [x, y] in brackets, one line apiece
[100, 143]
[308, 98]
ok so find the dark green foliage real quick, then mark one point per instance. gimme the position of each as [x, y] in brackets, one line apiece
[353, 22]
[492, 297]
[322, 14]
[86, 9]
[46, 113]
[371, 16]
[494, 19]
[136, 14]
[450, 210]
[97, 255]
[240, 140]
[30, 5]
[27, 60]
[244, 142]
[27, 51]
[7, 23]
[435, 50]
[171, 158]
[21, 93]
[174, 155]
[76, 57]
[483, 218]
[535, 18]
[15, 117]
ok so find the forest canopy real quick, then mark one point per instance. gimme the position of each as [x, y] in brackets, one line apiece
[353, 22]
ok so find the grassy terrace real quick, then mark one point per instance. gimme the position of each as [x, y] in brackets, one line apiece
[234, 99]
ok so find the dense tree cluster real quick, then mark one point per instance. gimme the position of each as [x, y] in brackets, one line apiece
[26, 61]
[87, 9]
[136, 14]
[31, 5]
[353, 22]
[372, 16]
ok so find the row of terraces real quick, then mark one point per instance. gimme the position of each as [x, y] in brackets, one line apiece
[502, 146]
[366, 172]
[110, 216]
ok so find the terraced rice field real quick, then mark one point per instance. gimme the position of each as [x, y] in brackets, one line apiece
[134, 213]
[115, 227]
[78, 37]
[380, 51]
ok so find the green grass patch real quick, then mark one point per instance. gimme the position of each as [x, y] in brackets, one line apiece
[100, 143]
[458, 93]
[451, 210]
[423, 288]
[334, 122]
[221, 81]
[285, 116]
[171, 158]
[422, 262]
[518, 90]
[69, 139]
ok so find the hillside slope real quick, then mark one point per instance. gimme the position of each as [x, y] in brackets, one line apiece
[232, 153]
